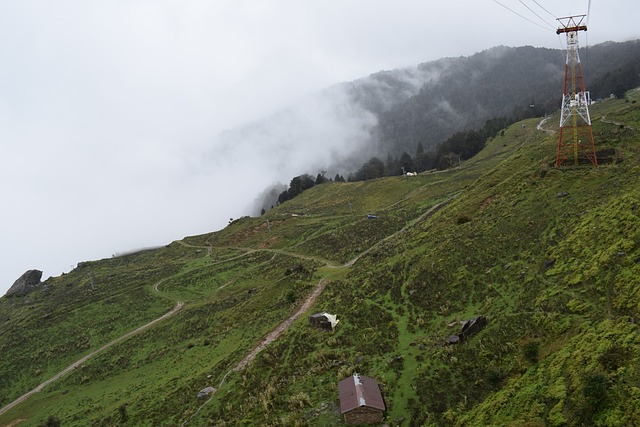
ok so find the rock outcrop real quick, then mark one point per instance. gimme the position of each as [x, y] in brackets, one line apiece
[28, 282]
[206, 392]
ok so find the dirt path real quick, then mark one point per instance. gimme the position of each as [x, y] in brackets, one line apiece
[541, 129]
[433, 209]
[611, 122]
[158, 283]
[273, 335]
[313, 296]
[283, 326]
[79, 362]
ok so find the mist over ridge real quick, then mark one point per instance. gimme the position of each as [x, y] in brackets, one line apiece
[391, 112]
[212, 177]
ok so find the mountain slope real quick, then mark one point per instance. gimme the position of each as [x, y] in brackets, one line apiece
[549, 257]
[500, 82]
[391, 112]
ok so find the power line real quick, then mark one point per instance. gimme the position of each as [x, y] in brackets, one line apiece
[521, 16]
[541, 18]
[586, 57]
[543, 8]
[586, 47]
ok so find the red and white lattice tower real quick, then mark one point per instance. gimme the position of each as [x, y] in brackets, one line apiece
[575, 138]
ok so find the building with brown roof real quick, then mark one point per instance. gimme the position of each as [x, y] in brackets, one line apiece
[360, 400]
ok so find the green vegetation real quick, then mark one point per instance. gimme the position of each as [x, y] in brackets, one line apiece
[550, 257]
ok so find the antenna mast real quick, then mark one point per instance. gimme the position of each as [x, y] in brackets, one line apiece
[575, 136]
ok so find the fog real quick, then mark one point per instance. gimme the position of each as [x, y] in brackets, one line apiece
[129, 124]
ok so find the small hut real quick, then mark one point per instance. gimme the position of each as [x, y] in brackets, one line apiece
[360, 400]
[324, 321]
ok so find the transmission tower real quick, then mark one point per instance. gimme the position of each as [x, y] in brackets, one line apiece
[575, 138]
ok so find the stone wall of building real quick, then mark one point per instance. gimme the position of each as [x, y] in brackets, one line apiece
[363, 415]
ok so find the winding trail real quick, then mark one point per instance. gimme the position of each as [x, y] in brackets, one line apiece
[79, 362]
[433, 209]
[311, 298]
[283, 326]
[273, 335]
[541, 129]
[611, 122]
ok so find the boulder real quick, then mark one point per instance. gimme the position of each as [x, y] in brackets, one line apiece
[453, 339]
[472, 327]
[206, 392]
[28, 282]
[469, 328]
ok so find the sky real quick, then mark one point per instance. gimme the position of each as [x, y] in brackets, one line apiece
[113, 113]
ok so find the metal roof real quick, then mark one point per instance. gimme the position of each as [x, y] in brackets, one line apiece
[356, 391]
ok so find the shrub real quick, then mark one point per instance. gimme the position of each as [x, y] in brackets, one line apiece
[50, 422]
[531, 351]
[495, 377]
[299, 400]
[594, 392]
[463, 219]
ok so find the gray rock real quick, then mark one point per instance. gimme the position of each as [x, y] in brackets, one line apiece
[206, 392]
[453, 339]
[28, 282]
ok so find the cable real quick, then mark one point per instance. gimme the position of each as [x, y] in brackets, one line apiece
[588, 13]
[521, 16]
[541, 18]
[542, 7]
[586, 54]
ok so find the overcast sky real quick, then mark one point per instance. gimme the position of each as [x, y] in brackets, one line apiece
[109, 110]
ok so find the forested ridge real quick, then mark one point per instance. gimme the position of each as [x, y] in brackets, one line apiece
[499, 82]
[467, 101]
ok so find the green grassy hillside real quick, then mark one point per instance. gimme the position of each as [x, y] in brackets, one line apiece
[550, 257]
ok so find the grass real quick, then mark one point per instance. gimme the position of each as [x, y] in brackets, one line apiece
[556, 277]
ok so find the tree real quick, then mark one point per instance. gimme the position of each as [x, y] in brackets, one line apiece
[448, 160]
[320, 179]
[374, 168]
[391, 166]
[299, 184]
[406, 162]
[283, 197]
[425, 161]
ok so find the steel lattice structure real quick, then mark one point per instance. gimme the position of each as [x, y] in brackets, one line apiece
[575, 138]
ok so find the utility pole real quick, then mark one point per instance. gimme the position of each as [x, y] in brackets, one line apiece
[575, 136]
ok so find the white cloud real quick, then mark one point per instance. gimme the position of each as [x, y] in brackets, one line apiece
[111, 112]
